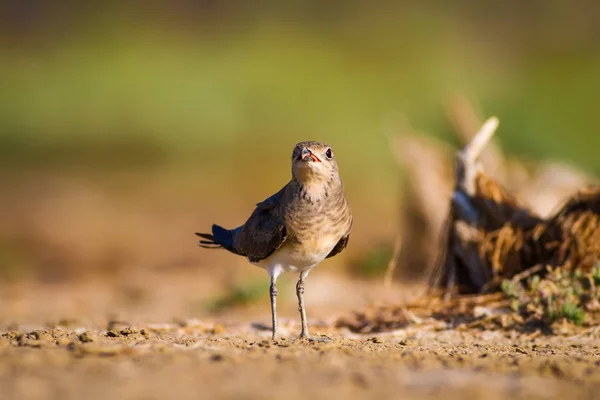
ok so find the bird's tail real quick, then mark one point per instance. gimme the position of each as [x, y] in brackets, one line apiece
[220, 237]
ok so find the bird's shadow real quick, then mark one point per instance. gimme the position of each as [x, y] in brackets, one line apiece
[260, 326]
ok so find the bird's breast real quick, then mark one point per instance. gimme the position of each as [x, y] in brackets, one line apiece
[321, 244]
[314, 228]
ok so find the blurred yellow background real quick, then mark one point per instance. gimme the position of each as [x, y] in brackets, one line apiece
[126, 128]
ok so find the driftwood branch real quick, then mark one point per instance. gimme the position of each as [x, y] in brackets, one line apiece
[464, 213]
[467, 165]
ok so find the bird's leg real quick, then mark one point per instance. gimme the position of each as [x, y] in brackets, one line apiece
[273, 293]
[300, 294]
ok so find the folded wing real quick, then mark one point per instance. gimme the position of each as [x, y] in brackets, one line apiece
[341, 245]
[264, 232]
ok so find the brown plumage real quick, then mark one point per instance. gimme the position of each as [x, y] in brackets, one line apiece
[308, 220]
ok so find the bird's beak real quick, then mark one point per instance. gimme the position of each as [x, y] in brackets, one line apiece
[308, 155]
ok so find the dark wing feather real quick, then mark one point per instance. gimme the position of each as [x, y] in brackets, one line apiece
[264, 232]
[341, 245]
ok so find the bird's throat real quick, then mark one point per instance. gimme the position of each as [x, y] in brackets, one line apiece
[316, 191]
[307, 175]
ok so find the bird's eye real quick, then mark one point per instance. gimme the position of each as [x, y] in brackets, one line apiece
[328, 153]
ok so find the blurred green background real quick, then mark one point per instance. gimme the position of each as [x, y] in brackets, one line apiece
[188, 111]
[173, 81]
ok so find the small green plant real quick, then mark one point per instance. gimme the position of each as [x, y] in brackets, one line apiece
[596, 274]
[511, 288]
[573, 313]
[558, 294]
[515, 305]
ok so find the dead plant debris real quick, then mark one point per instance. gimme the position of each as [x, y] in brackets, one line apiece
[502, 265]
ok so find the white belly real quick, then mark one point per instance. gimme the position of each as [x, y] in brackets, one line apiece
[297, 258]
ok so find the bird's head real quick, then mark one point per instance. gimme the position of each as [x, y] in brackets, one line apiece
[314, 163]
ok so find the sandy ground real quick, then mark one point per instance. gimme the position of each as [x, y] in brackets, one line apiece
[98, 341]
[207, 360]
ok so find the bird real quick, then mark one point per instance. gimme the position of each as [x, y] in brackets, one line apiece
[294, 230]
